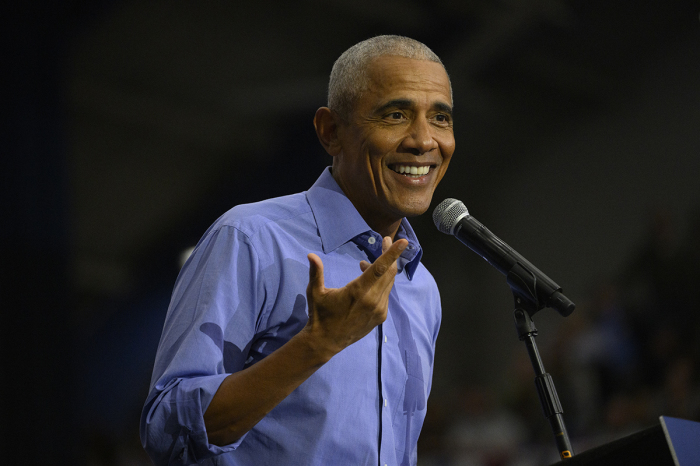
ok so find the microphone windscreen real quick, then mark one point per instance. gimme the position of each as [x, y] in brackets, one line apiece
[448, 213]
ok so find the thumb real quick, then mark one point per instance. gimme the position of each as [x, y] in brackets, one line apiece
[316, 281]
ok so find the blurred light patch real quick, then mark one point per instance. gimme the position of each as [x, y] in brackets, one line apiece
[184, 255]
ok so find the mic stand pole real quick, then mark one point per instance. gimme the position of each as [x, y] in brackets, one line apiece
[524, 309]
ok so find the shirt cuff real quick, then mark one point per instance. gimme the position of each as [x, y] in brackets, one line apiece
[178, 413]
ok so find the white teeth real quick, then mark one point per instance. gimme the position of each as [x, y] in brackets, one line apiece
[411, 170]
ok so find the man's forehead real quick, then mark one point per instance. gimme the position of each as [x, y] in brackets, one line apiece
[390, 74]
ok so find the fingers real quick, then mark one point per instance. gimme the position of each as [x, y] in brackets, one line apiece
[364, 265]
[316, 281]
[391, 252]
[386, 244]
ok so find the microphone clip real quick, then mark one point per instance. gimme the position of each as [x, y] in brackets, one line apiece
[523, 283]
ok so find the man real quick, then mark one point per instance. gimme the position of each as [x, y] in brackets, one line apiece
[257, 365]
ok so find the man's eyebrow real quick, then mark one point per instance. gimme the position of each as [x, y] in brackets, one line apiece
[407, 103]
[395, 103]
[443, 107]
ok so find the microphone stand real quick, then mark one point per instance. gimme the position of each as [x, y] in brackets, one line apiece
[526, 305]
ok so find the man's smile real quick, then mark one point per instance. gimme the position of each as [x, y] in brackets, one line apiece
[411, 170]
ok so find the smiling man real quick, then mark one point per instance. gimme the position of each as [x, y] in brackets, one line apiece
[258, 364]
[392, 149]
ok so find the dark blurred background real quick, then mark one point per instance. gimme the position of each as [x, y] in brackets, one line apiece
[129, 127]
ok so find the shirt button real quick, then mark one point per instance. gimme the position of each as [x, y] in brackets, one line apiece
[385, 402]
[371, 240]
[385, 340]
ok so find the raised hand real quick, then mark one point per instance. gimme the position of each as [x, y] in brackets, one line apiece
[338, 317]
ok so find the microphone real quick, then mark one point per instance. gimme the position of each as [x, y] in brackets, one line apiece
[452, 217]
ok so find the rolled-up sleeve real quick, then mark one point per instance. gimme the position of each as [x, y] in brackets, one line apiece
[214, 314]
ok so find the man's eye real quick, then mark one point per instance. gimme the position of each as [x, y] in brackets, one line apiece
[440, 117]
[395, 115]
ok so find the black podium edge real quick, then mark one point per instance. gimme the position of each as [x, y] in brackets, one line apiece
[612, 452]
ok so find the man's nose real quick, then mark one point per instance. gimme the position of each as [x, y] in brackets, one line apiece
[420, 139]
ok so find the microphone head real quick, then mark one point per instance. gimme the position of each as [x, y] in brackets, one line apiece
[448, 213]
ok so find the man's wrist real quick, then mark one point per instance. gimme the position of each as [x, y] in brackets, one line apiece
[314, 348]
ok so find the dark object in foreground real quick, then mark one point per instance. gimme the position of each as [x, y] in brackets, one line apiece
[672, 442]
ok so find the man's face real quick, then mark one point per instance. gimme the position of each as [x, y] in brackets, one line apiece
[398, 141]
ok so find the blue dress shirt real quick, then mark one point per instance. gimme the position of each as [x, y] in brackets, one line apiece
[242, 295]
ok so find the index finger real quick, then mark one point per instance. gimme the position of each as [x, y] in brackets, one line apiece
[384, 262]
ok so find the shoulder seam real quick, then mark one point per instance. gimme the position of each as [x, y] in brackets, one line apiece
[238, 223]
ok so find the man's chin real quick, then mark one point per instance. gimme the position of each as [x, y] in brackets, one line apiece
[413, 209]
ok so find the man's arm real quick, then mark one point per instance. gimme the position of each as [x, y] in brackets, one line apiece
[337, 318]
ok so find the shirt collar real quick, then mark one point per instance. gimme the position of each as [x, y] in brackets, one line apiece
[339, 222]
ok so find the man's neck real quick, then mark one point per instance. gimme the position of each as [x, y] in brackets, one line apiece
[389, 230]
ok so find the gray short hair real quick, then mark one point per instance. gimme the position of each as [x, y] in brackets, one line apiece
[349, 74]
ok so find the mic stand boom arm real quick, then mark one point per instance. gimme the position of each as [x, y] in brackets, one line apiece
[526, 305]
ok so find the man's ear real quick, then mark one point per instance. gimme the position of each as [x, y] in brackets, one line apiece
[326, 123]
